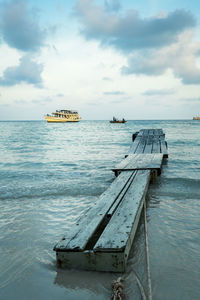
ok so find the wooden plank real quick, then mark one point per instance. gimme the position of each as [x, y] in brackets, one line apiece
[126, 161]
[92, 261]
[150, 131]
[146, 161]
[156, 144]
[140, 162]
[79, 236]
[155, 132]
[118, 201]
[148, 146]
[141, 132]
[141, 145]
[134, 145]
[158, 132]
[163, 146]
[117, 233]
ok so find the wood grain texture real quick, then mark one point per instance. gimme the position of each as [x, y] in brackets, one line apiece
[163, 146]
[119, 199]
[149, 144]
[116, 234]
[134, 145]
[140, 162]
[156, 144]
[142, 144]
[77, 238]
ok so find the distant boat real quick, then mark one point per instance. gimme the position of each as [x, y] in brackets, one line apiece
[114, 120]
[196, 118]
[63, 116]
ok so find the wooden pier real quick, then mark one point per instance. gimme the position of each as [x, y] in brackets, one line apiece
[102, 239]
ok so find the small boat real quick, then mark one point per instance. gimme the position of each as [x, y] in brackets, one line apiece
[196, 118]
[63, 116]
[118, 121]
[114, 120]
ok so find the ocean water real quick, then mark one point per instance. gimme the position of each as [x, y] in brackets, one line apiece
[50, 174]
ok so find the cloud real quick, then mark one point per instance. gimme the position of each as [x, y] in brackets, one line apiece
[21, 102]
[28, 71]
[19, 27]
[112, 5]
[159, 92]
[107, 78]
[116, 93]
[60, 95]
[190, 100]
[93, 103]
[120, 101]
[42, 101]
[129, 31]
[152, 45]
[179, 57]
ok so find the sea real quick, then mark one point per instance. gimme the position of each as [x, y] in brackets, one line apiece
[51, 174]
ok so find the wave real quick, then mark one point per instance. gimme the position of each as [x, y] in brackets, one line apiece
[177, 188]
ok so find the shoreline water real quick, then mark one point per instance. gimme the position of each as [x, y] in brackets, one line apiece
[50, 175]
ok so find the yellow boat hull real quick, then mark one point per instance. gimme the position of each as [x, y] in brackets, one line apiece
[50, 119]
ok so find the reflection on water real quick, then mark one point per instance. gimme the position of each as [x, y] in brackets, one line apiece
[85, 280]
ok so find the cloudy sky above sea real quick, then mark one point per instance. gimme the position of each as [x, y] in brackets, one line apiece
[104, 58]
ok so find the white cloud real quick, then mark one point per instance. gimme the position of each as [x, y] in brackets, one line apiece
[180, 57]
[159, 92]
[152, 45]
[27, 71]
[115, 93]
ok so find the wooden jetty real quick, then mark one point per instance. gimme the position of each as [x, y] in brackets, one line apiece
[102, 239]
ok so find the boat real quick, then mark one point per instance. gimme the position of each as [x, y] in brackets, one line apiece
[114, 120]
[118, 121]
[63, 116]
[196, 118]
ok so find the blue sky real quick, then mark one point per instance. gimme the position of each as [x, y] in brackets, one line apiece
[132, 59]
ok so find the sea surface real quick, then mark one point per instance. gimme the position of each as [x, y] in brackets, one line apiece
[50, 174]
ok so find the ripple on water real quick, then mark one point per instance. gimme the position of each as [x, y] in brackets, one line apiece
[51, 175]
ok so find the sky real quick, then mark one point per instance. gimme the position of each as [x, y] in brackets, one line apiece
[129, 59]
